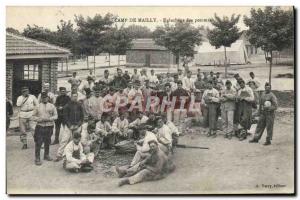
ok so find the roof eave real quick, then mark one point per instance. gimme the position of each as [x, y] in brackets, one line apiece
[35, 56]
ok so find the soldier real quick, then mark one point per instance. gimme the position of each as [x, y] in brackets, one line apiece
[74, 158]
[60, 102]
[126, 75]
[120, 128]
[188, 82]
[153, 166]
[135, 76]
[267, 106]
[26, 104]
[119, 80]
[180, 110]
[45, 115]
[227, 108]
[245, 99]
[210, 101]
[73, 117]
[74, 80]
[46, 88]
[9, 113]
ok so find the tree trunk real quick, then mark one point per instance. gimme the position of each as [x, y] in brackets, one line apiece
[94, 61]
[271, 62]
[109, 59]
[225, 62]
[67, 67]
[87, 61]
[118, 60]
[178, 60]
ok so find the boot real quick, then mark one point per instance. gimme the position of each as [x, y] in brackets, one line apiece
[253, 141]
[24, 147]
[48, 158]
[268, 142]
[38, 162]
[214, 134]
[120, 172]
[57, 159]
[123, 182]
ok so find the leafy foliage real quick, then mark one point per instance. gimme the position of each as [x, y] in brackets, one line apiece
[225, 32]
[272, 29]
[180, 38]
[136, 31]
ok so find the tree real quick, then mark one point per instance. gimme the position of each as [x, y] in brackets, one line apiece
[272, 29]
[91, 33]
[137, 31]
[118, 41]
[39, 33]
[12, 30]
[180, 38]
[224, 34]
[66, 36]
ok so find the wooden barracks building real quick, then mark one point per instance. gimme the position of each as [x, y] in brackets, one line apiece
[30, 63]
[145, 53]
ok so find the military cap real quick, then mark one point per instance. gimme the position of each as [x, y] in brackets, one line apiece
[24, 88]
[62, 88]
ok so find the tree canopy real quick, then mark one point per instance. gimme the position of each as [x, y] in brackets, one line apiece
[225, 32]
[180, 38]
[272, 29]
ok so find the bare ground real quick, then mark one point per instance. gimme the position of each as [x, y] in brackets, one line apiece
[229, 166]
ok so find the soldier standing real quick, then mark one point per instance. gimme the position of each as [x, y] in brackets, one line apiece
[26, 104]
[267, 107]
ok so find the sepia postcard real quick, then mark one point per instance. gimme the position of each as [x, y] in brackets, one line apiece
[150, 100]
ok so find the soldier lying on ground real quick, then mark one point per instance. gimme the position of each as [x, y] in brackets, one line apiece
[154, 166]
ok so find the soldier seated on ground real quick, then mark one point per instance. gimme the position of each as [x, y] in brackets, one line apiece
[154, 166]
[134, 126]
[93, 141]
[74, 158]
[104, 129]
[120, 128]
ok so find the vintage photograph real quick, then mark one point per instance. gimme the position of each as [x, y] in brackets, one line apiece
[150, 100]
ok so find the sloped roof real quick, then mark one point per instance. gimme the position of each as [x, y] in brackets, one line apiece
[21, 46]
[206, 47]
[146, 44]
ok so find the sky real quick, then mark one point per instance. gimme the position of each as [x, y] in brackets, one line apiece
[19, 16]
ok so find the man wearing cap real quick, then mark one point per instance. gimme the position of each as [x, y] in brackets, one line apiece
[119, 80]
[126, 75]
[94, 105]
[153, 166]
[73, 117]
[227, 108]
[180, 74]
[46, 87]
[153, 78]
[74, 80]
[134, 126]
[164, 135]
[106, 80]
[210, 101]
[188, 82]
[174, 82]
[80, 96]
[104, 129]
[266, 115]
[26, 104]
[45, 115]
[182, 99]
[89, 83]
[135, 76]
[62, 100]
[245, 99]
[120, 127]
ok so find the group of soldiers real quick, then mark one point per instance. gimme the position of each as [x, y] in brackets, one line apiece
[144, 108]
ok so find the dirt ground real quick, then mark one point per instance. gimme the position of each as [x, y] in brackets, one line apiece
[229, 166]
